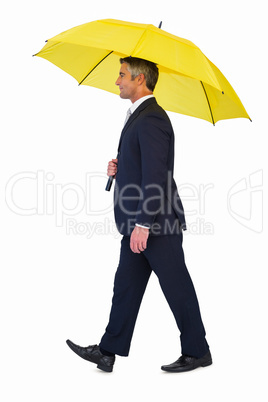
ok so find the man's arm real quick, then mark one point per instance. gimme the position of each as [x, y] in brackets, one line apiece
[154, 140]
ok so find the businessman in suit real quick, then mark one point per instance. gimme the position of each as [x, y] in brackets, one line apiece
[149, 214]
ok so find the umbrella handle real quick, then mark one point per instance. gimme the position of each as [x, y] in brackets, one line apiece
[109, 183]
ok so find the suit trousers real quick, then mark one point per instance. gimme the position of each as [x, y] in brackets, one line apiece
[163, 255]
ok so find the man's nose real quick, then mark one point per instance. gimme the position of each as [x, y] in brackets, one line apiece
[117, 81]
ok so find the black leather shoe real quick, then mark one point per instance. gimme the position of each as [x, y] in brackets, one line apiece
[188, 363]
[93, 355]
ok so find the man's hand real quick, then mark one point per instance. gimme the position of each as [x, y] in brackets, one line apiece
[112, 167]
[138, 239]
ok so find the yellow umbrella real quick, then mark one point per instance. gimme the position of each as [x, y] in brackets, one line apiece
[188, 82]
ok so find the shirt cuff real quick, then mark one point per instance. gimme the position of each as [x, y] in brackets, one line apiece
[141, 226]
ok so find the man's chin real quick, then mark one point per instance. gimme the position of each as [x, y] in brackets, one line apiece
[122, 96]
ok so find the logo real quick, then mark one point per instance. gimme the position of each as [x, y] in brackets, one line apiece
[245, 201]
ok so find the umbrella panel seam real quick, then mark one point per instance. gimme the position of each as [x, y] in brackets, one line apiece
[208, 103]
[95, 67]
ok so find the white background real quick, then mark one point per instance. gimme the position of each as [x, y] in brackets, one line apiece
[57, 284]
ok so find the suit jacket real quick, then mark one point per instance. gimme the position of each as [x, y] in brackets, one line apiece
[145, 190]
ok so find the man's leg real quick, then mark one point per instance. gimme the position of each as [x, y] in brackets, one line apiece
[131, 279]
[166, 258]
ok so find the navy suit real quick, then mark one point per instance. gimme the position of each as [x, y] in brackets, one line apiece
[146, 194]
[145, 190]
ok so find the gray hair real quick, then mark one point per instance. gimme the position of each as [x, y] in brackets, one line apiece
[138, 66]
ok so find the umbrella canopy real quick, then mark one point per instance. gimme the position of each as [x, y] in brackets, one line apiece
[188, 82]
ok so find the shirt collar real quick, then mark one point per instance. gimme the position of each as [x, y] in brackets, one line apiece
[138, 102]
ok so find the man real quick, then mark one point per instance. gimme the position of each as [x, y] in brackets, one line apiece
[149, 215]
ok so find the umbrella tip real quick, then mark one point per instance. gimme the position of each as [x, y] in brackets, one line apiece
[159, 26]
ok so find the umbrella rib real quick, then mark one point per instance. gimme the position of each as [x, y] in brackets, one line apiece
[208, 103]
[95, 67]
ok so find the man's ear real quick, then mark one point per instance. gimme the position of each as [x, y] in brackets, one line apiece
[141, 79]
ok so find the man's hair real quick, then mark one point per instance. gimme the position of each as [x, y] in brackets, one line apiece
[138, 66]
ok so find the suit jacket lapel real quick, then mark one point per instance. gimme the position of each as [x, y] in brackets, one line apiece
[134, 116]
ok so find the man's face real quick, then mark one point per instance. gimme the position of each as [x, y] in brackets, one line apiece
[128, 87]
